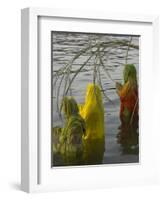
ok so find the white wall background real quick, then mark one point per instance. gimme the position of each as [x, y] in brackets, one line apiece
[10, 96]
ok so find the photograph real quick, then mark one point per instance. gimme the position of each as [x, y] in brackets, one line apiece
[94, 98]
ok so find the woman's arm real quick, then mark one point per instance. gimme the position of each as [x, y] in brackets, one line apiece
[118, 87]
[122, 90]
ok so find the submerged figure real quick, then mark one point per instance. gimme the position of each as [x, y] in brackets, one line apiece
[128, 94]
[93, 113]
[69, 138]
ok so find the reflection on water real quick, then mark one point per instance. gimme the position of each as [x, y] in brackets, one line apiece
[93, 151]
[121, 144]
[128, 137]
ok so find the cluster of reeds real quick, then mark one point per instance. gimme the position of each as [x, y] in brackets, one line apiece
[64, 77]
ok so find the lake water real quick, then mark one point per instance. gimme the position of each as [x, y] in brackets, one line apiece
[64, 47]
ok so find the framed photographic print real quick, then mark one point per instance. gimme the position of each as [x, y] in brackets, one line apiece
[87, 119]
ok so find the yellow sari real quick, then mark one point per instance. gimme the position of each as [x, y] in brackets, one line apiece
[93, 113]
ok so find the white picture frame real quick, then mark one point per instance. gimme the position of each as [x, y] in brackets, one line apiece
[36, 172]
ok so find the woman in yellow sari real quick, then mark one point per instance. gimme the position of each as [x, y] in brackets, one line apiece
[92, 111]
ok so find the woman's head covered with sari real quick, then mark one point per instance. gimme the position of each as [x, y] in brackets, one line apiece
[69, 106]
[93, 95]
[129, 74]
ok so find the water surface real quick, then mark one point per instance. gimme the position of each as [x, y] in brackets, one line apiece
[64, 47]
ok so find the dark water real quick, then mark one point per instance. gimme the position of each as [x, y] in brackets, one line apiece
[64, 47]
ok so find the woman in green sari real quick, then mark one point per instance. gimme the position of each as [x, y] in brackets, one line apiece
[69, 144]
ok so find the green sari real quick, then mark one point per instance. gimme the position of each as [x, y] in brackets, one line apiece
[69, 144]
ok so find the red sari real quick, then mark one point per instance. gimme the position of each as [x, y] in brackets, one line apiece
[129, 101]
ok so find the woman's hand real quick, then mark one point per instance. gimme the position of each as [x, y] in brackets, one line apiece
[118, 86]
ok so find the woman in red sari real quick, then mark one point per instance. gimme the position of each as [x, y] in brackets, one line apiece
[128, 93]
[128, 135]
